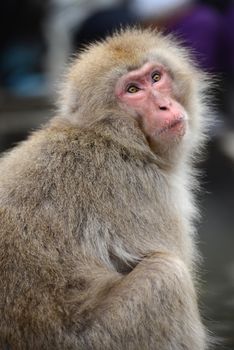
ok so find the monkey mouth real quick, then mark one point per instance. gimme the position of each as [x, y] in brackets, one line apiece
[176, 126]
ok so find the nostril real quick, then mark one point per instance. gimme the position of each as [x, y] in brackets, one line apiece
[163, 108]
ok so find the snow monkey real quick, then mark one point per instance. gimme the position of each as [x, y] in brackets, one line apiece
[97, 216]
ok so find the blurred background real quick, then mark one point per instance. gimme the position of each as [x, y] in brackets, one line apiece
[38, 37]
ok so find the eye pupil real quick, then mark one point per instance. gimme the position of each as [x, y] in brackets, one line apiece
[132, 89]
[156, 76]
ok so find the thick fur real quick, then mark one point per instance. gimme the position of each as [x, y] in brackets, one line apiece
[96, 230]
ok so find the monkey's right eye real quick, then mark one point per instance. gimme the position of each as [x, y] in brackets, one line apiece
[132, 89]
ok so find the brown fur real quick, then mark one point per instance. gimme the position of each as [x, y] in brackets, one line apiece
[96, 230]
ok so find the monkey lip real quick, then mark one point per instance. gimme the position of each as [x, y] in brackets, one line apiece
[176, 125]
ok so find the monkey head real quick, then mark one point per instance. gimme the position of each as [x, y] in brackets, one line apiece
[139, 74]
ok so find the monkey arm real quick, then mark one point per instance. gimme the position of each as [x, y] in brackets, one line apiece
[153, 307]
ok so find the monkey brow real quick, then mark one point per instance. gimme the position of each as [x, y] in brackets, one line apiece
[132, 67]
[140, 64]
[160, 59]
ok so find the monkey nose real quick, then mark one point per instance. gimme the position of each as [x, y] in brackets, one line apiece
[161, 102]
[164, 104]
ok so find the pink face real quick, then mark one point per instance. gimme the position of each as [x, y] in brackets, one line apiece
[147, 94]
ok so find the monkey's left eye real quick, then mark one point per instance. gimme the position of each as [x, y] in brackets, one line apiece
[156, 76]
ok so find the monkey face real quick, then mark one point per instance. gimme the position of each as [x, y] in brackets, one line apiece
[147, 94]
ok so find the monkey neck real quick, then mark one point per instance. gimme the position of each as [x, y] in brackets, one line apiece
[127, 133]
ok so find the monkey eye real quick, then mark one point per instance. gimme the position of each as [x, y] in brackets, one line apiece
[156, 76]
[132, 89]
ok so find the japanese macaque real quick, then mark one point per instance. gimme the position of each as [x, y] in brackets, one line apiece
[97, 217]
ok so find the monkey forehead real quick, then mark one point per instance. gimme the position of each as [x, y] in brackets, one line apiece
[129, 50]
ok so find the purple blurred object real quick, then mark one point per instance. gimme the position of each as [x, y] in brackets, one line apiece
[228, 39]
[201, 30]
